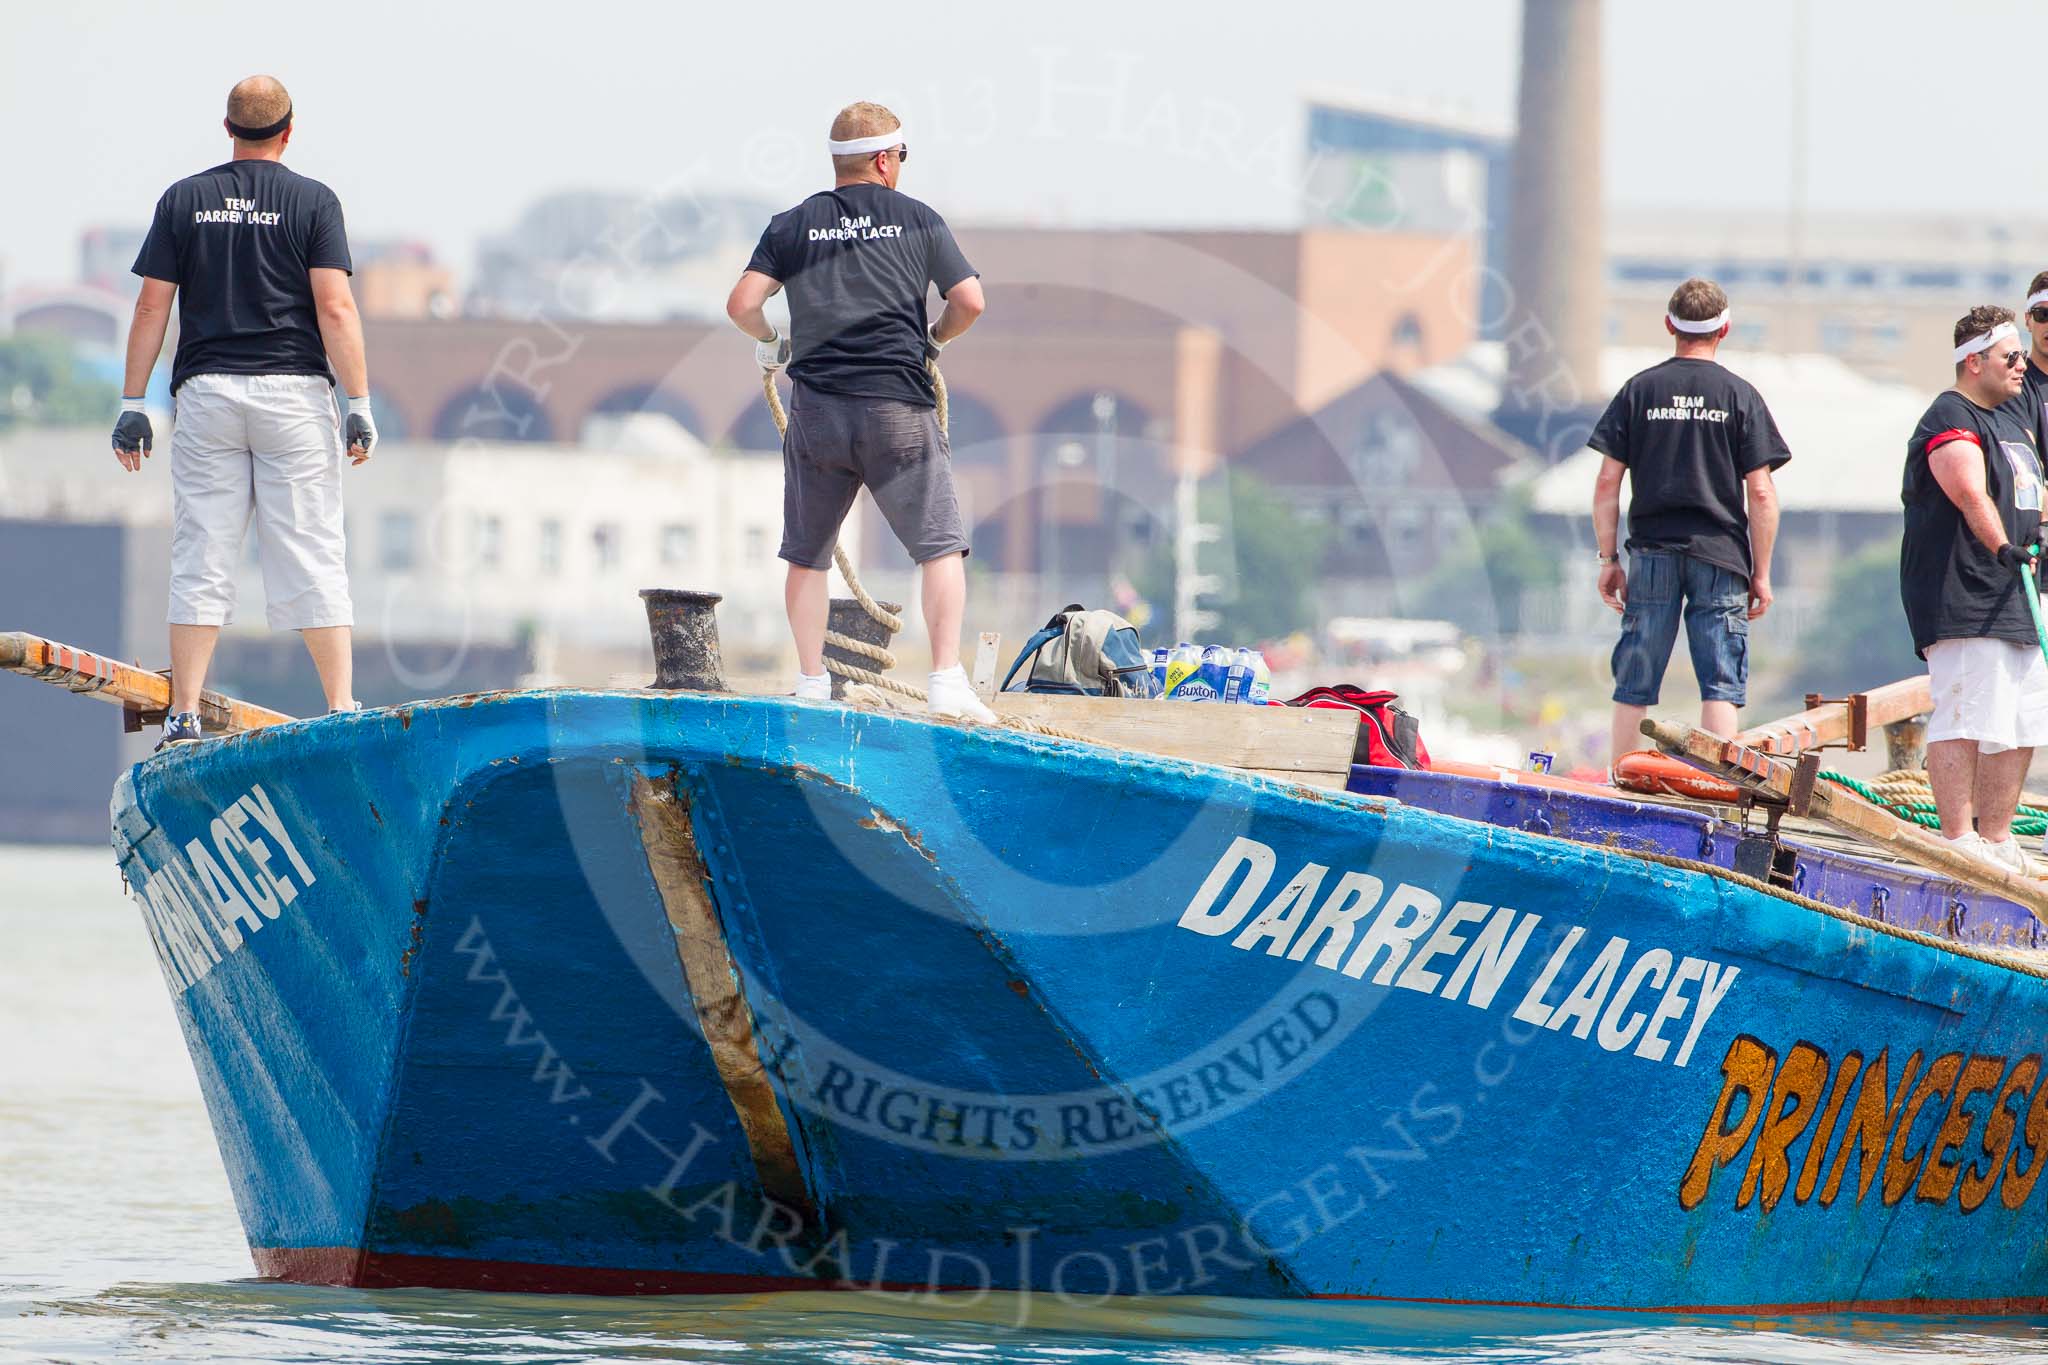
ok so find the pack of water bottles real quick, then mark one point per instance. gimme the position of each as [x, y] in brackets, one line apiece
[1188, 672]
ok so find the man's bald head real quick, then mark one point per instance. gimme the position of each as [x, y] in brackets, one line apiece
[860, 120]
[258, 102]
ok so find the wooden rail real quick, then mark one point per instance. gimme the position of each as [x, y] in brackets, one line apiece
[144, 695]
[1848, 720]
[1772, 777]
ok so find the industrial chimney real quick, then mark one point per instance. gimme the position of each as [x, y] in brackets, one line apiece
[1555, 261]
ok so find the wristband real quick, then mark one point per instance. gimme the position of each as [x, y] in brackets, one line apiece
[130, 404]
[359, 407]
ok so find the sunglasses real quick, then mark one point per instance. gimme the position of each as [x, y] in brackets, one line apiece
[2038, 314]
[903, 155]
[2013, 358]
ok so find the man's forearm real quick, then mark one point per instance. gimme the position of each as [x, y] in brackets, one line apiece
[145, 344]
[341, 331]
[1763, 536]
[754, 322]
[1980, 514]
[953, 322]
[1606, 521]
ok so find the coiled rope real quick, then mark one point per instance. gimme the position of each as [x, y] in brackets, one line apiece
[867, 686]
[1906, 794]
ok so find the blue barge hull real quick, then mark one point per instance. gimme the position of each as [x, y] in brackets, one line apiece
[641, 992]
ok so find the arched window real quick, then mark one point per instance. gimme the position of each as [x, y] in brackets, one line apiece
[485, 412]
[634, 398]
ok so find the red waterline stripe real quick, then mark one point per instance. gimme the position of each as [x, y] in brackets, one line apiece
[359, 1269]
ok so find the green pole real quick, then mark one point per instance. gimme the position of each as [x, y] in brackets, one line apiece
[2033, 592]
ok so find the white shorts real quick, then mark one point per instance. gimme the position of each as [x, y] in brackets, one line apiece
[1992, 691]
[271, 444]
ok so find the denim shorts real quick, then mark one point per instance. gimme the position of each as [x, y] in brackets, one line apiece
[1662, 585]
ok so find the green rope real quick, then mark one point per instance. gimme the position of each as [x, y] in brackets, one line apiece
[2027, 820]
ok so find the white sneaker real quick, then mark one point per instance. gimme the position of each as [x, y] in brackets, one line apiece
[2005, 852]
[813, 687]
[951, 694]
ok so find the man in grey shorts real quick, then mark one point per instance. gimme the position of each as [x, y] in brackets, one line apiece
[857, 260]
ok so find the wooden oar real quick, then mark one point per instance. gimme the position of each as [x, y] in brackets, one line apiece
[1772, 778]
[142, 693]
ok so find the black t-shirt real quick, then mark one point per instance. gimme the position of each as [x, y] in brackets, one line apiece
[856, 261]
[237, 241]
[1689, 431]
[2030, 404]
[1953, 588]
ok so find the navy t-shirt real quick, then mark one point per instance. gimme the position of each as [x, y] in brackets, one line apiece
[1689, 432]
[237, 241]
[1954, 588]
[856, 262]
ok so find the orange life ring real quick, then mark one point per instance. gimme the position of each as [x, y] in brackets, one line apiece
[1646, 770]
[1495, 772]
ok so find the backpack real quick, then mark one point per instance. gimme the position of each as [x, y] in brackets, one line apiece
[1388, 737]
[1086, 653]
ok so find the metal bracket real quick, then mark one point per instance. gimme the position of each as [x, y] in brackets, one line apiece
[1804, 772]
[1859, 715]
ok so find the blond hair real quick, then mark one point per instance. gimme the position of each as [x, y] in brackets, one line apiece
[860, 119]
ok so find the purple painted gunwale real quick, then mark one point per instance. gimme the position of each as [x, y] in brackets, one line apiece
[1902, 897]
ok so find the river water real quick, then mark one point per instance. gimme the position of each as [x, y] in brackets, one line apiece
[118, 1237]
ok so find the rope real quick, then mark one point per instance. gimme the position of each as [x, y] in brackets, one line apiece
[1906, 794]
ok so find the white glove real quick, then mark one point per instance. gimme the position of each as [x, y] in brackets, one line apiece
[773, 354]
[932, 344]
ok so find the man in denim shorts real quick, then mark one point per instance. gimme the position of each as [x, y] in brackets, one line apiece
[858, 260]
[1698, 447]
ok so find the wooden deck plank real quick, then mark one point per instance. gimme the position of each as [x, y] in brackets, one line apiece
[1295, 743]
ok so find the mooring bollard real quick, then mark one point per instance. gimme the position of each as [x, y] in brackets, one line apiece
[684, 628]
[1905, 745]
[849, 618]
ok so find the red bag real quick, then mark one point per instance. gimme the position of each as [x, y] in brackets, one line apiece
[1388, 737]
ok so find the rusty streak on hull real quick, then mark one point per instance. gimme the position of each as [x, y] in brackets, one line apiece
[663, 813]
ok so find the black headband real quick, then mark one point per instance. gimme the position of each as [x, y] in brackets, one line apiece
[263, 134]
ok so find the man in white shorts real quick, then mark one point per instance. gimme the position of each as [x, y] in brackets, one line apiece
[1973, 510]
[258, 261]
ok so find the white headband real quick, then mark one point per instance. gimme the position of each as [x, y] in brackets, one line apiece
[856, 146]
[1985, 342]
[1702, 327]
[2037, 299]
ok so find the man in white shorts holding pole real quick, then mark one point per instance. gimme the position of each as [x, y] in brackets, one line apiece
[1973, 508]
[258, 261]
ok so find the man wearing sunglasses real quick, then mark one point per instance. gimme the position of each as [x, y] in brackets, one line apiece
[857, 260]
[2032, 402]
[1973, 502]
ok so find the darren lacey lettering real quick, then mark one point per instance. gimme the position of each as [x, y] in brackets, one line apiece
[203, 906]
[861, 229]
[1454, 965]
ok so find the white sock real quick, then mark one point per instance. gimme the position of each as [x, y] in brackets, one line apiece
[813, 678]
[957, 671]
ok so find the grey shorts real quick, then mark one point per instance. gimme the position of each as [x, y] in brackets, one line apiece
[835, 445]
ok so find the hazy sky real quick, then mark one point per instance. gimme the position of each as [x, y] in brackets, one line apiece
[440, 121]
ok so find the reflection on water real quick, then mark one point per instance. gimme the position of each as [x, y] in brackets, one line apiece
[120, 1238]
